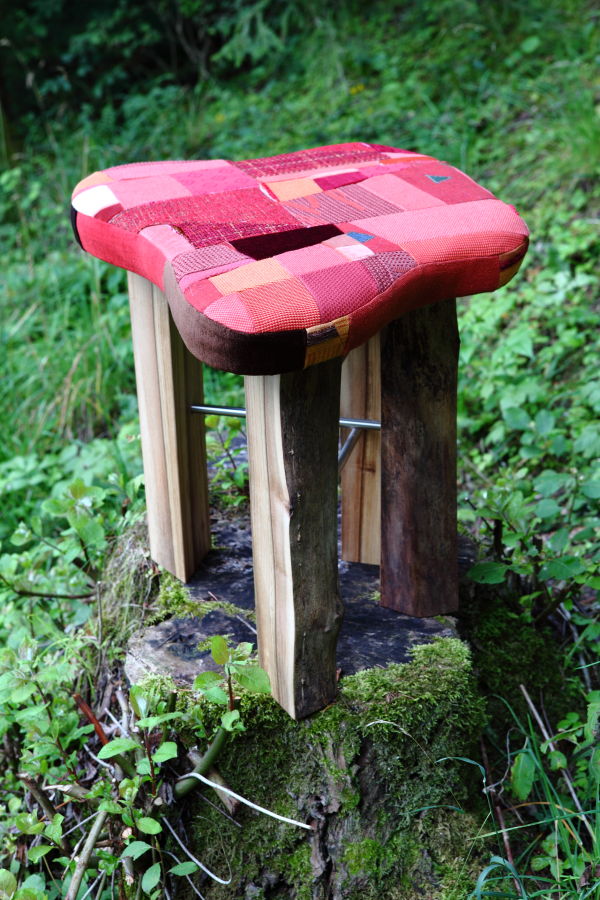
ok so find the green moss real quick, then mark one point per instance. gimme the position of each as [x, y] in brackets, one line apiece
[174, 600]
[508, 650]
[358, 771]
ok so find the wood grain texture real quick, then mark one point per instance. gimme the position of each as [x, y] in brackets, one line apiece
[292, 448]
[419, 360]
[169, 380]
[361, 475]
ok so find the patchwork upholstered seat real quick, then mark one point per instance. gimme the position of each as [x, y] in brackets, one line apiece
[278, 268]
[271, 265]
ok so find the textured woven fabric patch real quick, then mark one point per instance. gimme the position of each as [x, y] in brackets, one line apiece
[316, 249]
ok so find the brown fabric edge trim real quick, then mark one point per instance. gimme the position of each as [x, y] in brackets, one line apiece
[270, 353]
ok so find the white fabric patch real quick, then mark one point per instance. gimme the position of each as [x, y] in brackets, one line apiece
[94, 199]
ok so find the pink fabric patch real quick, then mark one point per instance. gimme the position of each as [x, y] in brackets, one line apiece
[165, 167]
[309, 259]
[168, 241]
[202, 294]
[330, 289]
[401, 192]
[193, 277]
[208, 181]
[133, 192]
[231, 312]
[447, 221]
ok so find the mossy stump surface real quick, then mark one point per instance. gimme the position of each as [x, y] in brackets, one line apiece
[372, 774]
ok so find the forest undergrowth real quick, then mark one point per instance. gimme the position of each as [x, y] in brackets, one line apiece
[508, 92]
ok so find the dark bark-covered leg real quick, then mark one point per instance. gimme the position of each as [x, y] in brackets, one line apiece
[419, 360]
[292, 448]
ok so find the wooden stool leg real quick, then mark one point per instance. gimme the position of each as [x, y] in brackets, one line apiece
[361, 475]
[169, 380]
[292, 448]
[419, 361]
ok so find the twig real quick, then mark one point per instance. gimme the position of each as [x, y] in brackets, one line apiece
[192, 857]
[48, 594]
[219, 788]
[202, 765]
[44, 801]
[84, 858]
[498, 813]
[89, 714]
[565, 772]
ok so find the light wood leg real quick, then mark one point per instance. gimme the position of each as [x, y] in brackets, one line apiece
[292, 448]
[361, 475]
[169, 380]
[419, 361]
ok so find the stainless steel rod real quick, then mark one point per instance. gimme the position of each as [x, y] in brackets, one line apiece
[239, 412]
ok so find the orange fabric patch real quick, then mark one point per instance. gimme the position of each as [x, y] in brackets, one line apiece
[91, 180]
[295, 187]
[251, 275]
[281, 306]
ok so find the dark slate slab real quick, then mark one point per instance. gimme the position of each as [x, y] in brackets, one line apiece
[370, 635]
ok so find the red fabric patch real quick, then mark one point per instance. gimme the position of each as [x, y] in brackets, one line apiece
[329, 182]
[457, 189]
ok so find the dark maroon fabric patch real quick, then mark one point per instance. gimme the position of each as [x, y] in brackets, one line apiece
[266, 245]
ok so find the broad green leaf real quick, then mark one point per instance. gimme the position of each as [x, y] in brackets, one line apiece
[8, 882]
[34, 854]
[54, 829]
[516, 418]
[229, 719]
[151, 878]
[544, 422]
[153, 721]
[557, 760]
[142, 766]
[592, 726]
[166, 751]
[22, 693]
[29, 823]
[562, 569]
[255, 679]
[522, 775]
[148, 825]
[219, 649]
[549, 482]
[541, 862]
[111, 806]
[547, 508]
[136, 849]
[206, 680]
[591, 489]
[184, 868]
[488, 572]
[118, 745]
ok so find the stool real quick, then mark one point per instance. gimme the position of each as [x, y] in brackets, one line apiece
[276, 269]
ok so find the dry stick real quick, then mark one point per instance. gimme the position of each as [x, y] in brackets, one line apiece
[566, 774]
[44, 801]
[84, 857]
[498, 813]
